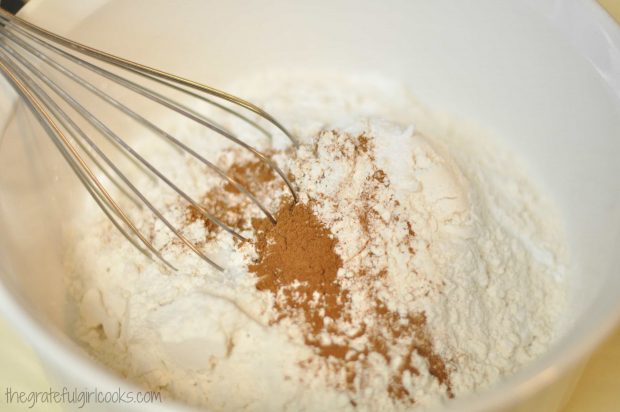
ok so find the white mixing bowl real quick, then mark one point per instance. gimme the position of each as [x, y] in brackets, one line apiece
[544, 76]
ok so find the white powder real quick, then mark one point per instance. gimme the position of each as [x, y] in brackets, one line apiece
[484, 265]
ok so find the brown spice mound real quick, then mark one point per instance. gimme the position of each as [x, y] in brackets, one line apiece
[299, 249]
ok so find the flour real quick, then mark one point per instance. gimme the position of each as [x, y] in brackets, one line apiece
[460, 255]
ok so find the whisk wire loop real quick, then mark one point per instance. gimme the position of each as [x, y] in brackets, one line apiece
[18, 39]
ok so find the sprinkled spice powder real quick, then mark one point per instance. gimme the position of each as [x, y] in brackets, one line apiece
[298, 263]
[227, 203]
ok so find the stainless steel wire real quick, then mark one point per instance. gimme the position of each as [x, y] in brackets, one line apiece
[26, 49]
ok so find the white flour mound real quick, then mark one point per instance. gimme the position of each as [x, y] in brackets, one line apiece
[488, 259]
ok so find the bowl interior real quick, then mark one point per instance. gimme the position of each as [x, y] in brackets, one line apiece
[497, 65]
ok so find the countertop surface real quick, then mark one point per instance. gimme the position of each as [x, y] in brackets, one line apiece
[597, 391]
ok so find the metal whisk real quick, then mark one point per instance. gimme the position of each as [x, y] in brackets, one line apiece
[26, 48]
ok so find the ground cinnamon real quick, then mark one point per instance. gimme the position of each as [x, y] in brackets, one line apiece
[296, 260]
[252, 175]
[227, 203]
[298, 263]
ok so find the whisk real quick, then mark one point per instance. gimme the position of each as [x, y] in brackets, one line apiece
[25, 48]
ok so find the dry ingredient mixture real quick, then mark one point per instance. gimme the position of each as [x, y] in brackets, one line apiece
[418, 265]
